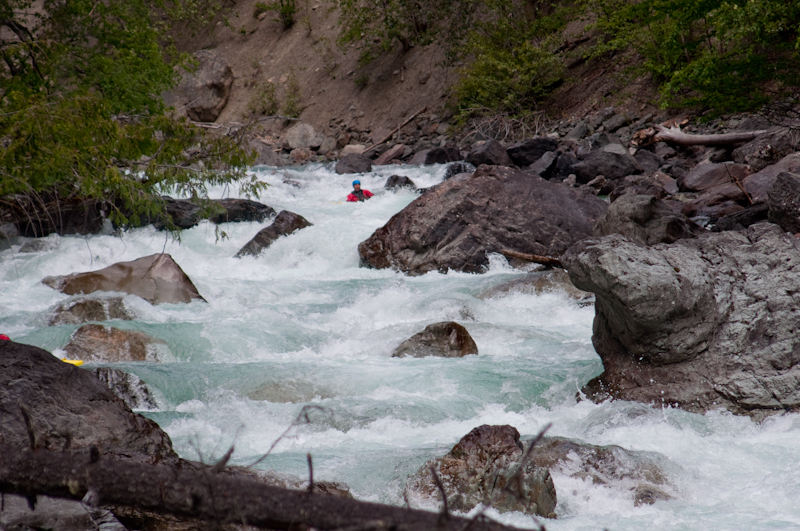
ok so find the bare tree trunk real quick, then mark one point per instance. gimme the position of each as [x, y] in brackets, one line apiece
[205, 494]
[674, 135]
[535, 258]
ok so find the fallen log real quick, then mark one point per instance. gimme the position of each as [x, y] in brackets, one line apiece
[674, 135]
[206, 494]
[535, 258]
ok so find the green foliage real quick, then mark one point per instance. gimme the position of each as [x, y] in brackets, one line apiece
[716, 54]
[264, 100]
[293, 96]
[81, 113]
[286, 11]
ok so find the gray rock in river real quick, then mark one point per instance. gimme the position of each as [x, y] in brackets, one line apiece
[128, 387]
[705, 323]
[106, 344]
[85, 310]
[156, 278]
[456, 224]
[550, 281]
[482, 467]
[445, 340]
[285, 223]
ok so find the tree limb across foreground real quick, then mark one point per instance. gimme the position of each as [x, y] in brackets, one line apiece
[207, 495]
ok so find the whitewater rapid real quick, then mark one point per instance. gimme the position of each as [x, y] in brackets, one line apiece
[303, 324]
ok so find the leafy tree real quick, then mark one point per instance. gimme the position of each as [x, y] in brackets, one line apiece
[81, 112]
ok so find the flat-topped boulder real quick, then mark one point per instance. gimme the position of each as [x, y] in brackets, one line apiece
[156, 278]
[701, 323]
[458, 223]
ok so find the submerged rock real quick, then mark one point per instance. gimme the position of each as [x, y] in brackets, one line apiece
[106, 344]
[85, 310]
[238, 210]
[445, 340]
[456, 224]
[536, 283]
[285, 223]
[704, 323]
[69, 408]
[128, 387]
[481, 468]
[156, 278]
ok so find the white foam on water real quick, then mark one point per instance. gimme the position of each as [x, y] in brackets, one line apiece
[303, 325]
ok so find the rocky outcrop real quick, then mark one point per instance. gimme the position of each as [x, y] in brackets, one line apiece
[354, 163]
[638, 473]
[703, 323]
[204, 92]
[784, 202]
[399, 181]
[491, 153]
[768, 148]
[285, 223]
[644, 219]
[444, 340]
[84, 310]
[68, 408]
[156, 278]
[127, 387]
[456, 224]
[484, 466]
[106, 344]
[611, 161]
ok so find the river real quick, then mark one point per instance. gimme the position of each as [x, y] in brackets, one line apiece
[303, 324]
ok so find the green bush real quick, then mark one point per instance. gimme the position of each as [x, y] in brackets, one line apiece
[286, 11]
[293, 96]
[264, 100]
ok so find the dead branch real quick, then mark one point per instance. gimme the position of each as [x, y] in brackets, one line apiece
[396, 129]
[192, 492]
[674, 135]
[535, 258]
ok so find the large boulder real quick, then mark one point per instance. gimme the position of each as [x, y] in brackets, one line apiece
[183, 213]
[491, 153]
[104, 344]
[759, 184]
[611, 161]
[156, 278]
[238, 210]
[353, 163]
[768, 148]
[644, 219]
[529, 151]
[68, 408]
[445, 340]
[399, 181]
[303, 136]
[438, 155]
[204, 92]
[35, 219]
[456, 224]
[285, 223]
[484, 467]
[704, 177]
[539, 282]
[784, 202]
[84, 310]
[702, 323]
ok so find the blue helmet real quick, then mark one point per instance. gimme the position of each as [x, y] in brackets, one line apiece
[356, 182]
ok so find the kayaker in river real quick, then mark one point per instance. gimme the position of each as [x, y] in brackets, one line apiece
[358, 194]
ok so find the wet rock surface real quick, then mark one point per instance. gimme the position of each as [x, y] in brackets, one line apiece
[127, 387]
[445, 340]
[703, 323]
[480, 468]
[238, 210]
[156, 278]
[396, 182]
[86, 310]
[106, 344]
[285, 223]
[552, 281]
[457, 223]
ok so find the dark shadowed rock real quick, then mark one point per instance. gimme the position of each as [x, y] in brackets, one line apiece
[551, 281]
[156, 278]
[69, 408]
[705, 177]
[759, 184]
[87, 310]
[712, 202]
[441, 155]
[649, 161]
[127, 387]
[639, 473]
[205, 92]
[285, 223]
[564, 166]
[183, 213]
[354, 163]
[457, 168]
[612, 161]
[742, 219]
[529, 151]
[237, 210]
[457, 223]
[644, 219]
[545, 165]
[106, 344]
[480, 468]
[445, 340]
[399, 181]
[61, 216]
[703, 323]
[491, 153]
[634, 185]
[784, 202]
